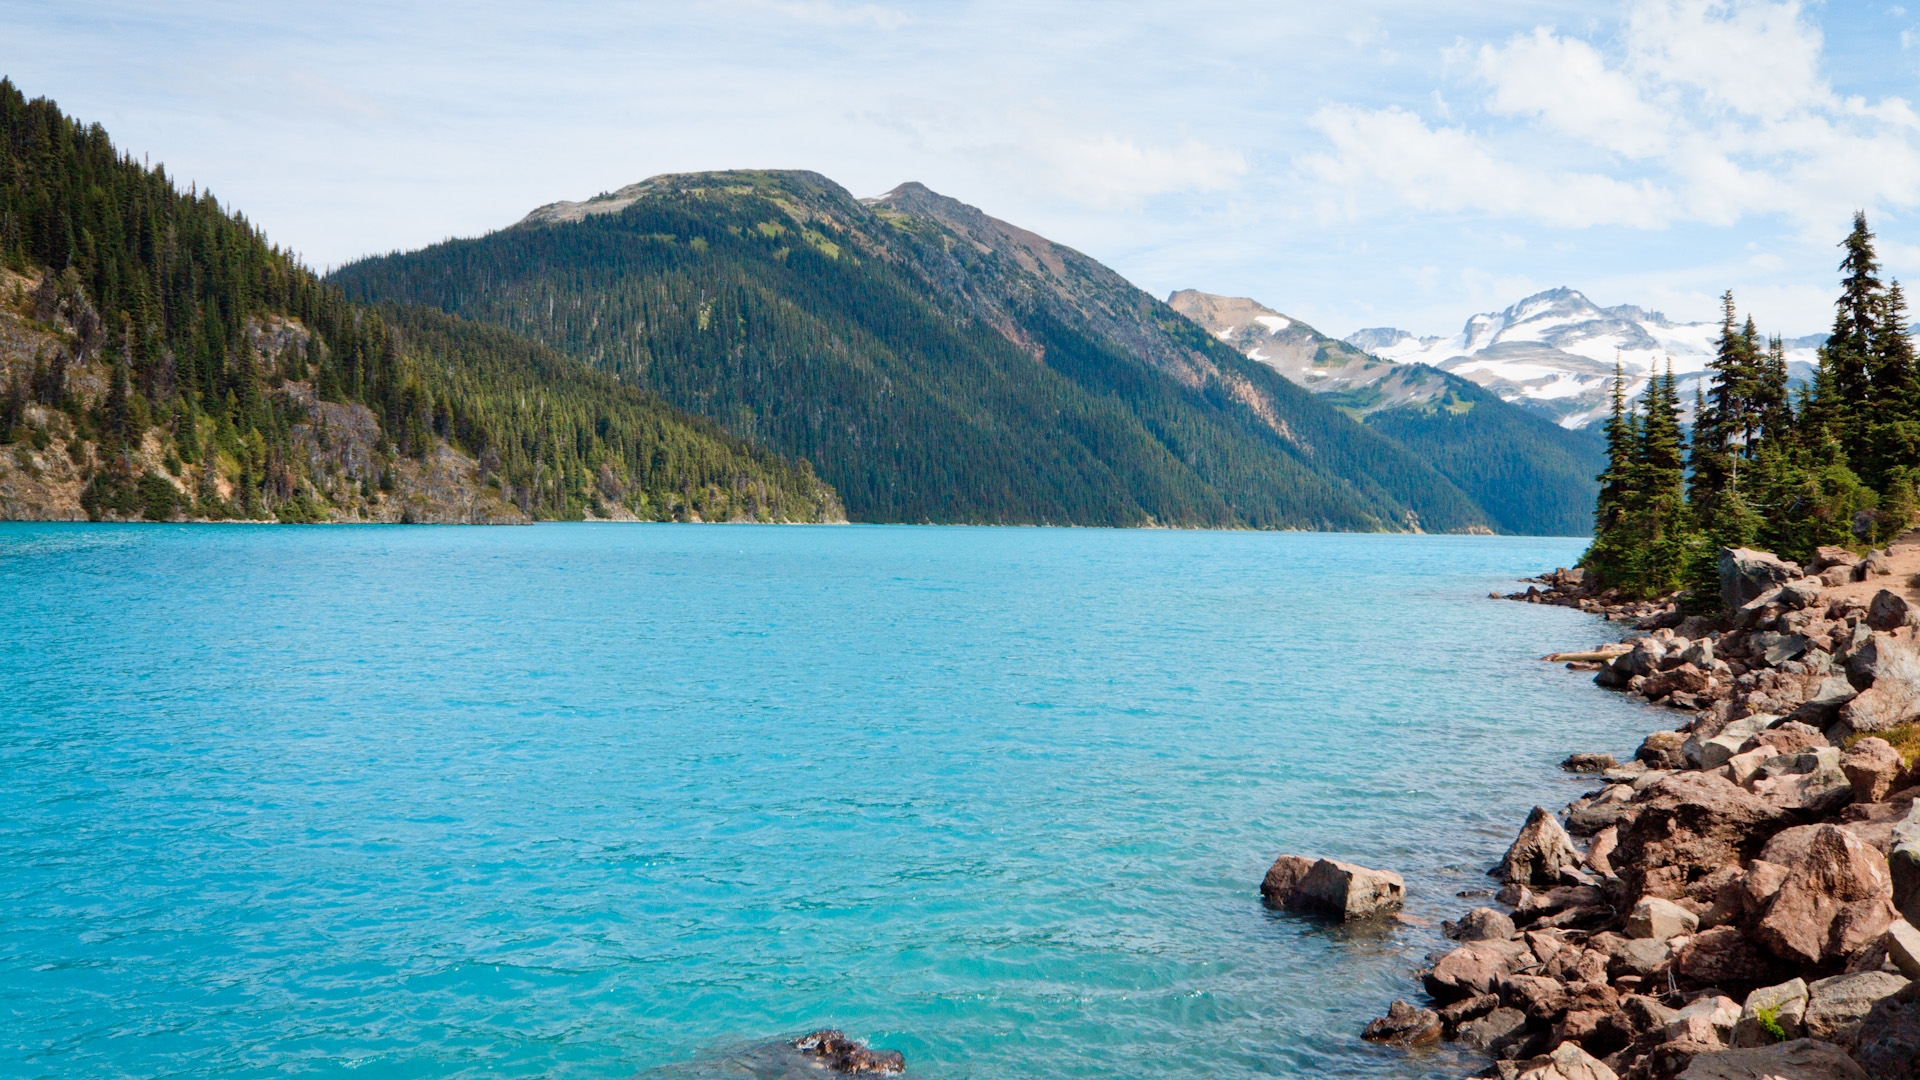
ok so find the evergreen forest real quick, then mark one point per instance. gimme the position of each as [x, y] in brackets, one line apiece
[927, 377]
[214, 342]
[1834, 464]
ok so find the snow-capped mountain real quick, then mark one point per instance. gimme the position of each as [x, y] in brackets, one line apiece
[1555, 351]
[1362, 384]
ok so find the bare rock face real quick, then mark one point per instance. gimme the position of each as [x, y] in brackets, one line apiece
[1834, 902]
[1801, 1059]
[1331, 887]
[1588, 763]
[1539, 853]
[1404, 1025]
[1836, 1006]
[1687, 825]
[1873, 766]
[833, 1050]
[1746, 575]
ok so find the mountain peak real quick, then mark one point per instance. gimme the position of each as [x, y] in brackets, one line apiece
[801, 182]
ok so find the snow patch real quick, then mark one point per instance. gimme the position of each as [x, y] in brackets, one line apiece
[1273, 323]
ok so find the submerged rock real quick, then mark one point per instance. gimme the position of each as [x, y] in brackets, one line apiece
[834, 1050]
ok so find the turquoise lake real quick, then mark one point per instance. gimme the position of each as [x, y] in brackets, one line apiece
[597, 801]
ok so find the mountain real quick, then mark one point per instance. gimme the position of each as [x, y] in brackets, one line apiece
[1530, 475]
[1554, 351]
[159, 359]
[932, 362]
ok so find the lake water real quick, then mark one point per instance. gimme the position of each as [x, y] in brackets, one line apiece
[592, 801]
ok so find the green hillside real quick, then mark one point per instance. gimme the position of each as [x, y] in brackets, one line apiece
[1530, 475]
[933, 364]
[193, 369]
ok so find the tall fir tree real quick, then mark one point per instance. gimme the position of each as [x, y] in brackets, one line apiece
[1658, 504]
[1849, 351]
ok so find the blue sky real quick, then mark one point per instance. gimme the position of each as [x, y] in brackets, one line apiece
[1360, 164]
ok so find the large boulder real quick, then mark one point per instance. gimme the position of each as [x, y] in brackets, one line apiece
[1784, 1007]
[1836, 1006]
[1663, 750]
[1746, 575]
[1822, 708]
[1837, 900]
[1660, 919]
[1538, 854]
[1476, 968]
[1332, 887]
[1886, 669]
[1827, 557]
[1714, 752]
[1873, 766]
[1800, 1059]
[1888, 610]
[1811, 784]
[1685, 826]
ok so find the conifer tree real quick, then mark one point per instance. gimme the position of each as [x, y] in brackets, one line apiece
[1890, 429]
[1849, 352]
[1659, 510]
[1612, 545]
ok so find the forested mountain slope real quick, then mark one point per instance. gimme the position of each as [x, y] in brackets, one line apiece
[1529, 474]
[159, 359]
[933, 364]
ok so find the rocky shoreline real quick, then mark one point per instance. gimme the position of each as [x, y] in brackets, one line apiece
[1739, 899]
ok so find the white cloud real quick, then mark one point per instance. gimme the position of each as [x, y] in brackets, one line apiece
[1710, 111]
[1110, 171]
[1566, 84]
[1450, 169]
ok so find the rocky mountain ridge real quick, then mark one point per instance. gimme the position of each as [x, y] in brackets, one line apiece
[933, 362]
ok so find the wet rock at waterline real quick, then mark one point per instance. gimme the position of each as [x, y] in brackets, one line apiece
[1330, 887]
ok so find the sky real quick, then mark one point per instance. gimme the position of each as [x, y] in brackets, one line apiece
[1370, 163]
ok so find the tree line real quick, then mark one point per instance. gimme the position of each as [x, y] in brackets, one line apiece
[1834, 464]
[167, 289]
